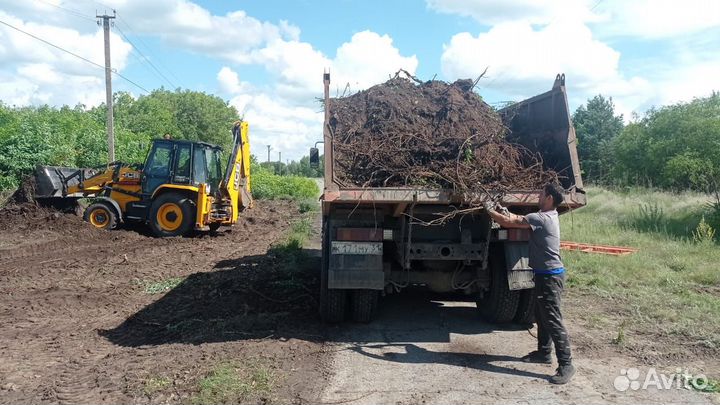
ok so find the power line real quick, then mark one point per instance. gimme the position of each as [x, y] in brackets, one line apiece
[74, 54]
[68, 10]
[79, 14]
[145, 57]
[147, 47]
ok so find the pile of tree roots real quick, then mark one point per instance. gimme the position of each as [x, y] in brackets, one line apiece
[407, 133]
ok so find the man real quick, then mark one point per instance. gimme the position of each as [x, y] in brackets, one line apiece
[544, 259]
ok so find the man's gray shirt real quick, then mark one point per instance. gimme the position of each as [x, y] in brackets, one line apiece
[544, 240]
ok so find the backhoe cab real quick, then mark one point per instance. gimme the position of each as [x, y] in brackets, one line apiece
[180, 187]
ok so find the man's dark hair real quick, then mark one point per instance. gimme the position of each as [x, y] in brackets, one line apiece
[556, 192]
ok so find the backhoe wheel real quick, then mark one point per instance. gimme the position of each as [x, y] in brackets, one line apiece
[172, 214]
[101, 216]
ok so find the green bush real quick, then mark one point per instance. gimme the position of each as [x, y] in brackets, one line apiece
[266, 185]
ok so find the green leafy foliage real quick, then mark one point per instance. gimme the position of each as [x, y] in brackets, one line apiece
[296, 168]
[266, 185]
[675, 147]
[75, 137]
[596, 127]
[704, 233]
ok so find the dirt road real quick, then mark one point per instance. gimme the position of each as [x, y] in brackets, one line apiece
[426, 349]
[115, 317]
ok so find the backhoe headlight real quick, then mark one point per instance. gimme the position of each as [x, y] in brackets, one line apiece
[207, 189]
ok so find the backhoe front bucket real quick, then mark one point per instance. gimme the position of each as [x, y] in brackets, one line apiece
[53, 181]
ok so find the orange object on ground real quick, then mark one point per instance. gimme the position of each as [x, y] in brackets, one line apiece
[602, 249]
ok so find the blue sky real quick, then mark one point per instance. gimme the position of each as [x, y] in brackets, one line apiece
[266, 57]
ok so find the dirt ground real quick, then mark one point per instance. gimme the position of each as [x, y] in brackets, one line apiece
[92, 316]
[85, 318]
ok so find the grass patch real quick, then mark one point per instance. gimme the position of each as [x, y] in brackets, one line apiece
[153, 385]
[670, 287]
[308, 205]
[232, 383]
[269, 186]
[157, 287]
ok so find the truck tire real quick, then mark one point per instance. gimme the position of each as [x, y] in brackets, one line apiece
[333, 302]
[499, 304]
[364, 305]
[335, 306]
[525, 314]
[101, 216]
[172, 214]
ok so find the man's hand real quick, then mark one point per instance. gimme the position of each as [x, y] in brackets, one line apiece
[505, 218]
[502, 209]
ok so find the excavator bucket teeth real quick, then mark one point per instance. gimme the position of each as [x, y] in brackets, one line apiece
[53, 181]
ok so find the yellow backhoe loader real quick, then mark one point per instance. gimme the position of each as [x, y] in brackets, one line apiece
[179, 188]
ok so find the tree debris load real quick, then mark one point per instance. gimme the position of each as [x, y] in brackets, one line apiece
[406, 133]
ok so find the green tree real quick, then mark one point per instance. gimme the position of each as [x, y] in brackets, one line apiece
[596, 126]
[675, 147]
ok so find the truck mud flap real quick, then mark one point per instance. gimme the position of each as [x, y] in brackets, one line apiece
[520, 275]
[356, 265]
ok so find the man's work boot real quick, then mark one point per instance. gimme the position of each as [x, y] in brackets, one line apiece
[537, 357]
[563, 375]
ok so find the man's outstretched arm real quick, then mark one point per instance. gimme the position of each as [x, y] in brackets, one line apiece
[507, 219]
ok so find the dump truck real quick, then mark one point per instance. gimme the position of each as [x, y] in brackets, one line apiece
[179, 188]
[375, 240]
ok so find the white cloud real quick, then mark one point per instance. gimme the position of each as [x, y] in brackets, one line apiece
[230, 82]
[523, 60]
[683, 83]
[367, 59]
[637, 18]
[273, 121]
[490, 12]
[655, 19]
[35, 73]
[530, 41]
[286, 114]
[187, 25]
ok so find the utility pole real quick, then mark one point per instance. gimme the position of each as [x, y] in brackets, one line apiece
[108, 85]
[280, 162]
[268, 153]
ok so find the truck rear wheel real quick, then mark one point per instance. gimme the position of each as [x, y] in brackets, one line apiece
[335, 306]
[525, 314]
[364, 305]
[499, 304]
[172, 214]
[333, 302]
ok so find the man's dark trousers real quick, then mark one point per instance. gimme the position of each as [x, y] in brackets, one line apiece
[548, 291]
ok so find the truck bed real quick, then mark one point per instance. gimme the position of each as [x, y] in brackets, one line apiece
[403, 196]
[541, 124]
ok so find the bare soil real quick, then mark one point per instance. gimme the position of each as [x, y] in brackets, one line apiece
[85, 319]
[91, 316]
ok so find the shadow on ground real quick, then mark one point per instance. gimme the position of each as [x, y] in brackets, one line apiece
[275, 296]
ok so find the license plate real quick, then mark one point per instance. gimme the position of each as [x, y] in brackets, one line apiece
[356, 248]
